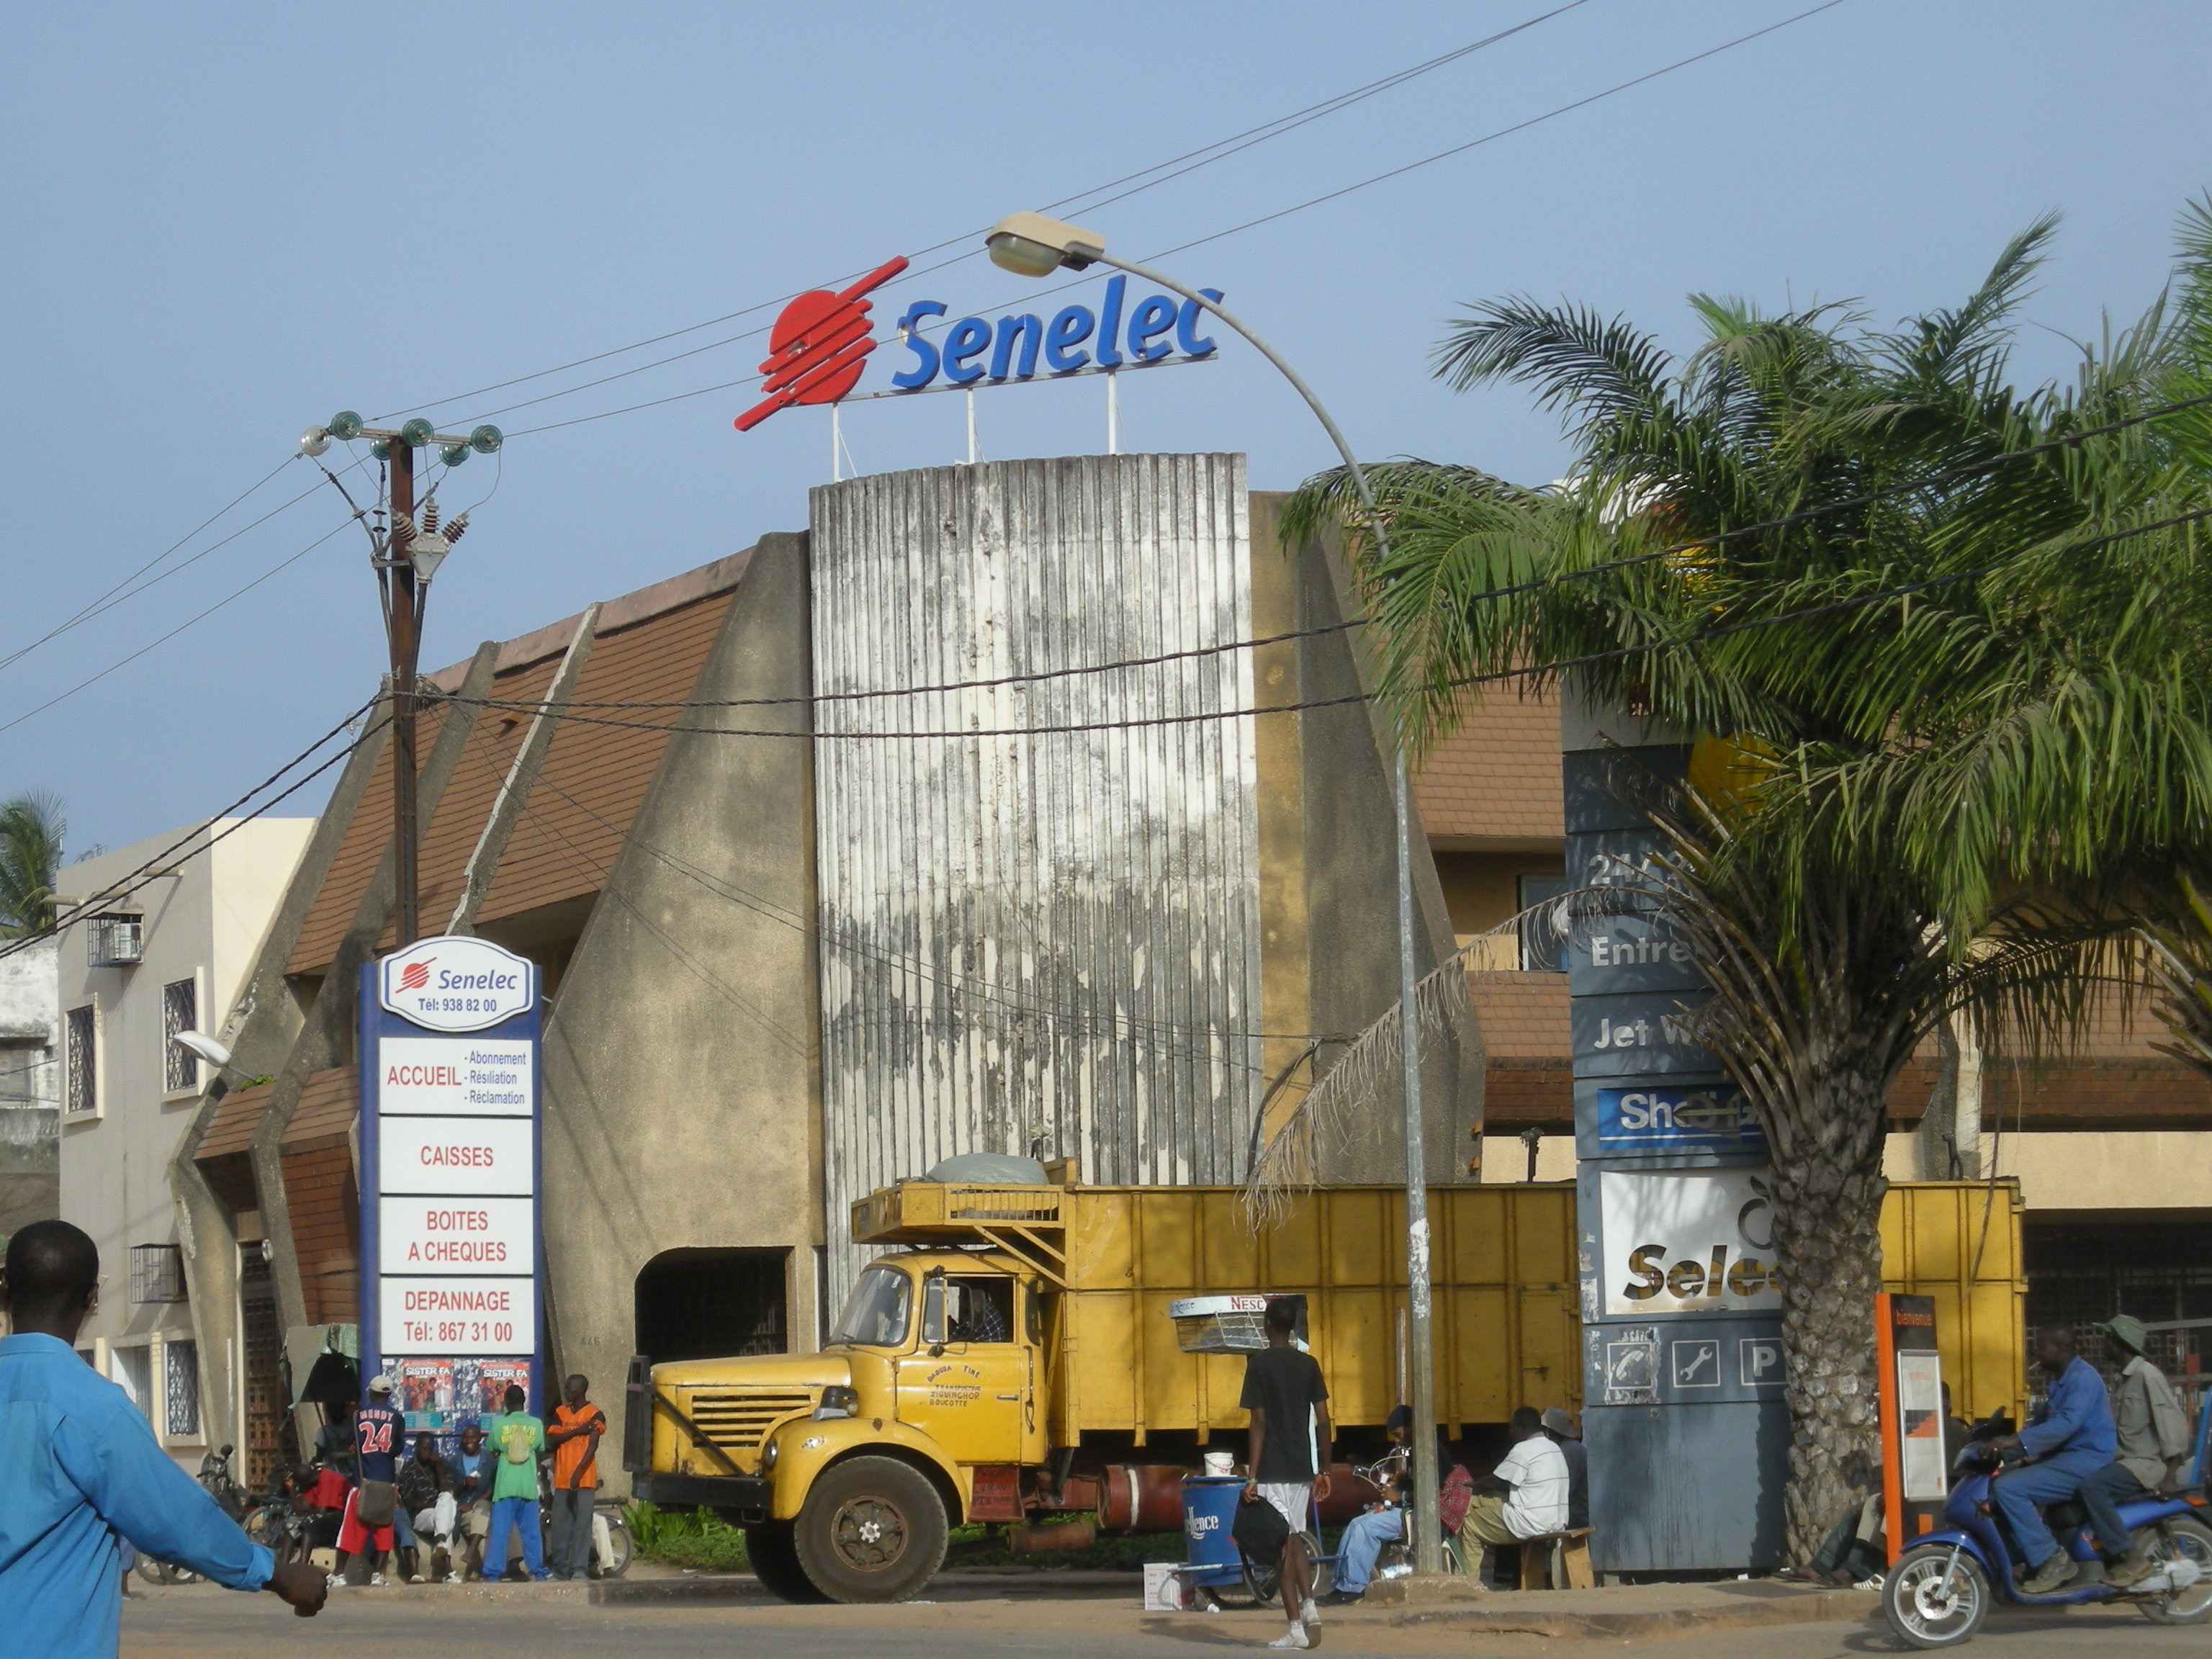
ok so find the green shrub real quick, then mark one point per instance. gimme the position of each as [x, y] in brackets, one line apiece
[702, 1541]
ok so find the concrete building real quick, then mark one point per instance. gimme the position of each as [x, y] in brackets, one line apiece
[129, 975]
[30, 1088]
[791, 950]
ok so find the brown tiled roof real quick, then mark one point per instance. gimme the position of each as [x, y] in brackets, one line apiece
[1497, 776]
[1524, 1016]
[232, 1131]
[593, 777]
[319, 1182]
[326, 1106]
[357, 859]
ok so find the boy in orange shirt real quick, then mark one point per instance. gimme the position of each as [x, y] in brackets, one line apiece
[574, 1435]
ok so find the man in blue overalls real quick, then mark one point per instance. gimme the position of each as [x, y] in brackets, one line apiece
[2070, 1439]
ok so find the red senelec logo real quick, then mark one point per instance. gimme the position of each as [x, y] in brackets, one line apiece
[819, 347]
[415, 974]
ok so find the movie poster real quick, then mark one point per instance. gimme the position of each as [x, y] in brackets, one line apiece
[425, 1393]
[493, 1378]
[443, 1396]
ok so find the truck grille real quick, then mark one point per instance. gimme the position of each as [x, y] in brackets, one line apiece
[738, 1422]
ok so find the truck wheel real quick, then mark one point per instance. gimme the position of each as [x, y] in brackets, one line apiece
[873, 1529]
[774, 1559]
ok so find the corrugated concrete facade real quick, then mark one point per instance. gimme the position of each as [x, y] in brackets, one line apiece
[1036, 940]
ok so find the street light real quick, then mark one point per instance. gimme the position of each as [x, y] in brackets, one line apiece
[1031, 245]
[203, 1047]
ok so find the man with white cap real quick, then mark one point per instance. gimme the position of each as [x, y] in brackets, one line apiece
[2152, 1432]
[373, 1518]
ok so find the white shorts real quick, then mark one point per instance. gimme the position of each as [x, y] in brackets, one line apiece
[1293, 1501]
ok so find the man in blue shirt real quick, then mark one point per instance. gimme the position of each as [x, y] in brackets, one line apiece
[2070, 1439]
[79, 1472]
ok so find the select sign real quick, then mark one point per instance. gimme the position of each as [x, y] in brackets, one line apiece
[1688, 1242]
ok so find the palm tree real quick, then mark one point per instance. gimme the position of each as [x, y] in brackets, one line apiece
[1964, 696]
[31, 833]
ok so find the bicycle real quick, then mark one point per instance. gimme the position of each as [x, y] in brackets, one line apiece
[214, 1477]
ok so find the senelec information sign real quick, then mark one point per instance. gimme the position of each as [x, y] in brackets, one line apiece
[453, 1265]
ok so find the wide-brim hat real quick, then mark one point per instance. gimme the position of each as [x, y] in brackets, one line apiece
[2127, 1330]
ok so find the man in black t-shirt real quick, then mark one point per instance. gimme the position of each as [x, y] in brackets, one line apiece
[1289, 1404]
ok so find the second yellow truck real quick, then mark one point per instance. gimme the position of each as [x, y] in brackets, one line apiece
[1013, 1358]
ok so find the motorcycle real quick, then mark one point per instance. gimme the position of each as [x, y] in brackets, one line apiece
[1943, 1588]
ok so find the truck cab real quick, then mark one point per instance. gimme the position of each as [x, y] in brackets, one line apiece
[849, 1466]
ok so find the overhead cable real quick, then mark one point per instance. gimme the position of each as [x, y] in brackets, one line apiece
[1205, 155]
[1530, 671]
[131, 881]
[1909, 487]
[1300, 207]
[234, 595]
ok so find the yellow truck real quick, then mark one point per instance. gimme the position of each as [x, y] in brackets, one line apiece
[1015, 1357]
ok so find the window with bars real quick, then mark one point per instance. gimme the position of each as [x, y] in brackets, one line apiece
[157, 1273]
[181, 1011]
[83, 1085]
[180, 1389]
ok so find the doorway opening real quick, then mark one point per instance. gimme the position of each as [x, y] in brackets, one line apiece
[711, 1304]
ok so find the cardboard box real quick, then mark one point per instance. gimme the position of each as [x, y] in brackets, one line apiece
[1166, 1590]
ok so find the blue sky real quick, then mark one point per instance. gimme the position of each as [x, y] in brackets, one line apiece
[223, 224]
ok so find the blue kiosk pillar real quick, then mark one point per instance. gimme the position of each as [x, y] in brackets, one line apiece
[1682, 1363]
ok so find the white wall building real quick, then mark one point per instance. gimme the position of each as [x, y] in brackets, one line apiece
[132, 972]
[29, 1085]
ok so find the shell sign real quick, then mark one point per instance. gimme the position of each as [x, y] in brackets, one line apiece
[456, 983]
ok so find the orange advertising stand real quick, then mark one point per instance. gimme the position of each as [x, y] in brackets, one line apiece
[1915, 1475]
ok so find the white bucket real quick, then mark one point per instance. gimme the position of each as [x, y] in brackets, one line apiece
[1220, 1462]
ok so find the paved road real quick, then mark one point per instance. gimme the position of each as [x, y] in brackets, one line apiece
[208, 1624]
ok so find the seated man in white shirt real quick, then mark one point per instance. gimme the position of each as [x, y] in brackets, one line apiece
[1526, 1496]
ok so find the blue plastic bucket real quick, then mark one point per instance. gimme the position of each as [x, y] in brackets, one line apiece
[1209, 1508]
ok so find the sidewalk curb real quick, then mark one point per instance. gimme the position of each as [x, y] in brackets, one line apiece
[638, 1592]
[1811, 1607]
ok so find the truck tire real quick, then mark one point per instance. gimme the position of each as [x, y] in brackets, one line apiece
[774, 1559]
[873, 1529]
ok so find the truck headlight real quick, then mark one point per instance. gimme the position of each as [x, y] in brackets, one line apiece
[767, 1458]
[838, 1402]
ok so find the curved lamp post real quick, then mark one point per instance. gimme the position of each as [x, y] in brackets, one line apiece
[1031, 245]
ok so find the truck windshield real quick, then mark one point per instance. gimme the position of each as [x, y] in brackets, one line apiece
[875, 1314]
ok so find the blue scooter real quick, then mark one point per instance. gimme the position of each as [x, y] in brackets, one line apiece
[1943, 1588]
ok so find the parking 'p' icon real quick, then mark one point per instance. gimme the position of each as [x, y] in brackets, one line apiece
[1759, 1362]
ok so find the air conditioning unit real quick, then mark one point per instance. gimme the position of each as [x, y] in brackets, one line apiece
[116, 941]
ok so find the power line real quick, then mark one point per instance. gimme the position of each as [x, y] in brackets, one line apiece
[913, 967]
[234, 595]
[1909, 487]
[125, 885]
[115, 595]
[1300, 207]
[1235, 143]
[1530, 671]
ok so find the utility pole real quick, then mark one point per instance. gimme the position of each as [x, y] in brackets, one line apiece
[405, 553]
[403, 627]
